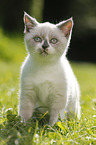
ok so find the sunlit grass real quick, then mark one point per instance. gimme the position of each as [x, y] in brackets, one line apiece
[36, 130]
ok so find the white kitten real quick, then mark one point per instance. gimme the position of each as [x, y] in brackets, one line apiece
[46, 75]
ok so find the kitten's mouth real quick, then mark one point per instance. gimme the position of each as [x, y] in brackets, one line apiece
[44, 53]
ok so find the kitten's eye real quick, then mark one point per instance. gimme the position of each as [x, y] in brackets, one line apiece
[37, 39]
[54, 40]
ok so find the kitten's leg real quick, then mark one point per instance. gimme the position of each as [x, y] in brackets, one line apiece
[26, 107]
[77, 106]
[53, 116]
[76, 103]
[78, 109]
[73, 108]
[62, 113]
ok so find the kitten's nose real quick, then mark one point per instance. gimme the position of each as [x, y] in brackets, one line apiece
[45, 44]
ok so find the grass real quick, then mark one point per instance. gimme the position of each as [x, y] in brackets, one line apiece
[36, 131]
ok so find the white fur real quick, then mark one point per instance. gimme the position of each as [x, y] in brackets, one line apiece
[48, 80]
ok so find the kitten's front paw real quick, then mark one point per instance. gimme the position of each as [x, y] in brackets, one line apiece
[53, 117]
[26, 116]
[26, 111]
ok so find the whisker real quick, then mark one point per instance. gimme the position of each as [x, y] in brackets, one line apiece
[34, 52]
[61, 50]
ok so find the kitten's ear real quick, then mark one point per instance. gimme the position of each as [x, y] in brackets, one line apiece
[29, 22]
[66, 27]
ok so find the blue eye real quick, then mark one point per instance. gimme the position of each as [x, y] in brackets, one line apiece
[54, 40]
[37, 39]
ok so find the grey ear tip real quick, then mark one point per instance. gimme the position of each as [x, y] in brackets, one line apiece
[25, 14]
[72, 19]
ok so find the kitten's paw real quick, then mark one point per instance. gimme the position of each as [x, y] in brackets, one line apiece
[26, 111]
[53, 117]
[26, 116]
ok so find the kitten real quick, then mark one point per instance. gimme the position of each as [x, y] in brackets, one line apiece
[46, 76]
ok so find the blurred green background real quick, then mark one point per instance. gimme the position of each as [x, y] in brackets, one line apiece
[83, 46]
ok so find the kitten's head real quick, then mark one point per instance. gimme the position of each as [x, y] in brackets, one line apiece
[46, 40]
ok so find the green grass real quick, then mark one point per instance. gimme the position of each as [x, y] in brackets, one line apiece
[36, 131]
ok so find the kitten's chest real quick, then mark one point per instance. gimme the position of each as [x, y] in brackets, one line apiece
[46, 75]
[46, 82]
[44, 91]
